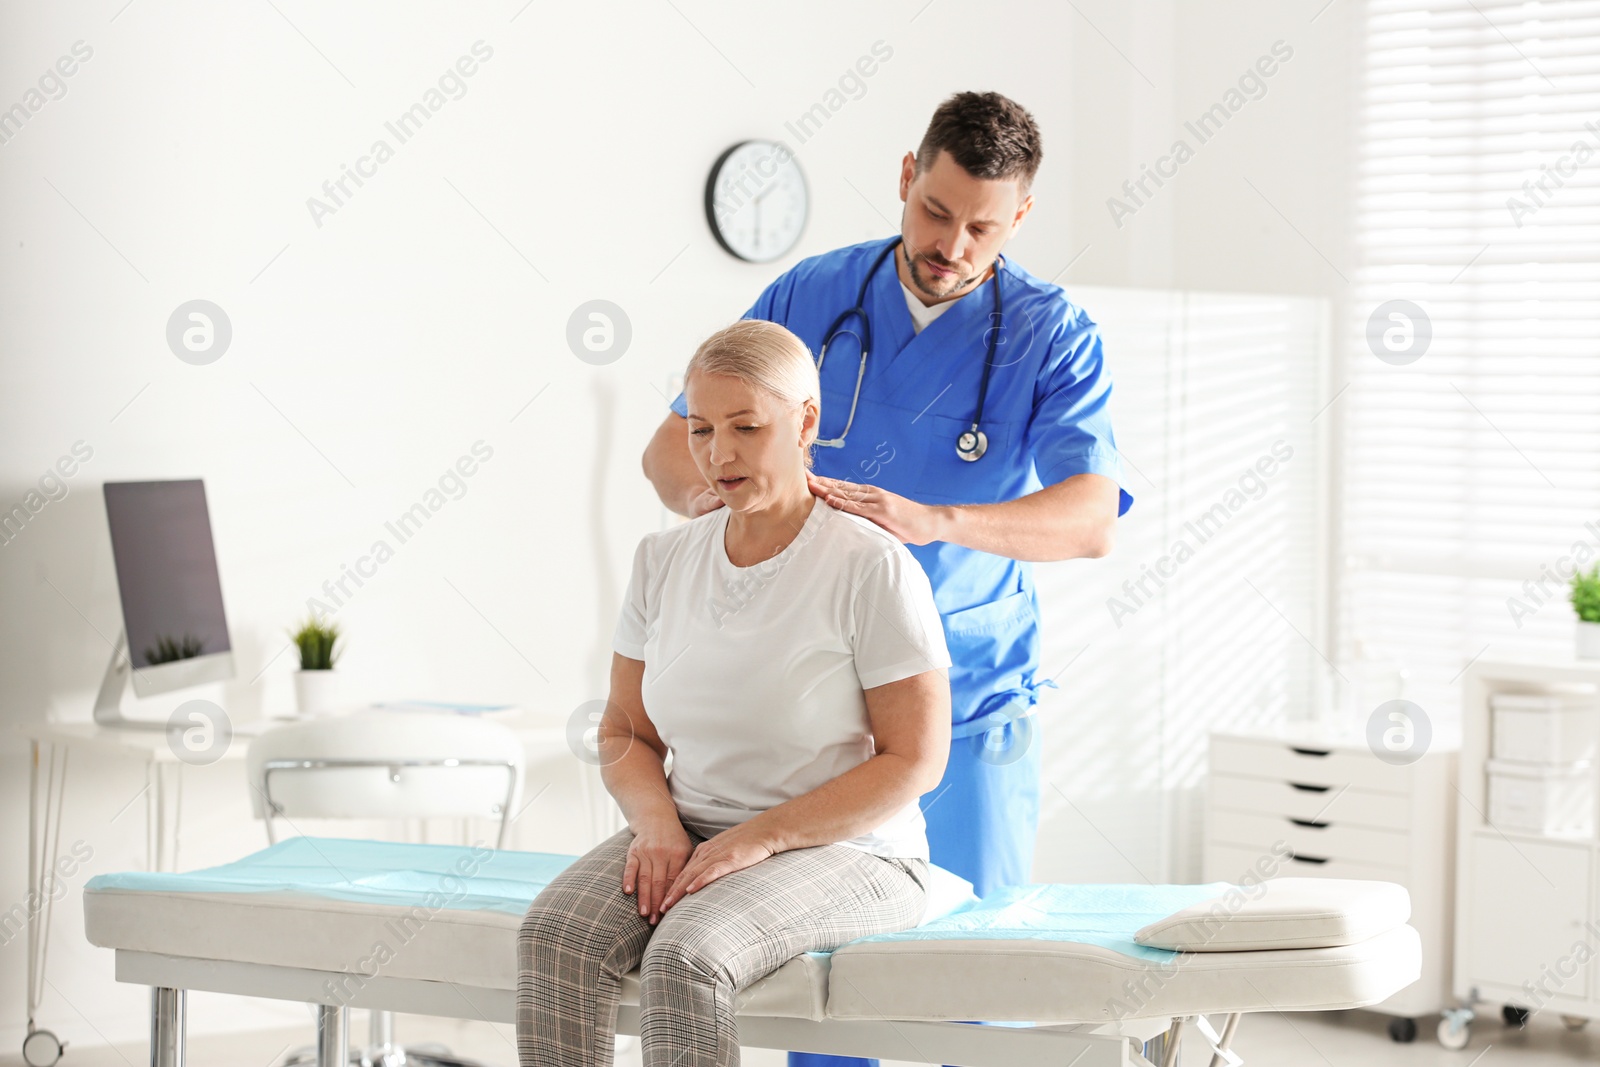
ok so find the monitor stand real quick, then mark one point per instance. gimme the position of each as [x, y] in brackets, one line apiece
[108, 705]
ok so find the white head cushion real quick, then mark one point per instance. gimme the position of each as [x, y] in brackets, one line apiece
[1283, 913]
[947, 893]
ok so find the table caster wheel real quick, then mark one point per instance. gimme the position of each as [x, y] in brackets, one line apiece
[1454, 1033]
[1514, 1016]
[1402, 1030]
[1574, 1022]
[41, 1048]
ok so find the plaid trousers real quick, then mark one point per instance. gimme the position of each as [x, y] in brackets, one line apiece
[582, 934]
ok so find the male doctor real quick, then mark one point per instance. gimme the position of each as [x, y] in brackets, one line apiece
[1042, 482]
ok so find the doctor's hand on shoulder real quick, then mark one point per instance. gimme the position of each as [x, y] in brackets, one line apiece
[707, 501]
[911, 522]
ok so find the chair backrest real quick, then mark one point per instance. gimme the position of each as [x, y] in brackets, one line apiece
[386, 765]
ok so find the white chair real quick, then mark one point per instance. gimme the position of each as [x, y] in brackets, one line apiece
[378, 764]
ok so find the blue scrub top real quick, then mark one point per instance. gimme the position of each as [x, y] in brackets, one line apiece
[1045, 417]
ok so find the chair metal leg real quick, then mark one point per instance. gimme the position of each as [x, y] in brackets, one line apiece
[415, 1058]
[168, 1026]
[333, 1040]
[333, 1036]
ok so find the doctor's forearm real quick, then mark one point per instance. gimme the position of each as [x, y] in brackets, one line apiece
[1070, 520]
[677, 491]
[669, 467]
[1014, 531]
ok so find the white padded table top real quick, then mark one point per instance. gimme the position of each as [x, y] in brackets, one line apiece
[1044, 954]
[1067, 982]
[469, 948]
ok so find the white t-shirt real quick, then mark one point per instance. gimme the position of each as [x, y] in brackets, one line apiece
[922, 314]
[755, 676]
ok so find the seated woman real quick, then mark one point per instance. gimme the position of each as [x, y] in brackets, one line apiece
[790, 657]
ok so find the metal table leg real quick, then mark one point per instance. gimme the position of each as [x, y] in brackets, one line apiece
[1224, 1047]
[333, 1036]
[168, 1027]
[1169, 1055]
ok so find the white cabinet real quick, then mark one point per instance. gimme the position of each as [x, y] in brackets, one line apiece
[1529, 926]
[1300, 802]
[1523, 909]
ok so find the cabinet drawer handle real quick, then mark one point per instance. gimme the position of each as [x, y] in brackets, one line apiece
[1310, 824]
[1306, 787]
[1298, 858]
[1310, 751]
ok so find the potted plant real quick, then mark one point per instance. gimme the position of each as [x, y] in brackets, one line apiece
[1585, 597]
[315, 684]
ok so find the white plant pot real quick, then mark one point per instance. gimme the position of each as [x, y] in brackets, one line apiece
[316, 692]
[1588, 644]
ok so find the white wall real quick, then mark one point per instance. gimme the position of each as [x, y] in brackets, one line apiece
[427, 312]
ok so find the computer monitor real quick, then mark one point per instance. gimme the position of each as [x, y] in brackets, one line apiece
[173, 621]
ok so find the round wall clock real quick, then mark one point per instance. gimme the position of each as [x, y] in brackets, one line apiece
[756, 200]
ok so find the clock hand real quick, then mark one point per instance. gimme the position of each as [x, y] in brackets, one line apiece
[757, 202]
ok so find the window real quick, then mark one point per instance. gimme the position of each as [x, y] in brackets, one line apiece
[1207, 614]
[1471, 424]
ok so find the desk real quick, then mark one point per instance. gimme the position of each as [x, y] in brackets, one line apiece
[49, 745]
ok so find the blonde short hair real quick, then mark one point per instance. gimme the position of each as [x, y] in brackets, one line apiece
[764, 355]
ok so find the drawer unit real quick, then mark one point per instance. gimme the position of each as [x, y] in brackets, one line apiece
[1231, 863]
[1304, 800]
[1306, 804]
[1319, 839]
[1307, 761]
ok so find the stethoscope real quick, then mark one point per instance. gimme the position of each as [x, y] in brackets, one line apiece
[972, 443]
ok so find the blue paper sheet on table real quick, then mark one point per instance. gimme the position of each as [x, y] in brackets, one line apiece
[458, 877]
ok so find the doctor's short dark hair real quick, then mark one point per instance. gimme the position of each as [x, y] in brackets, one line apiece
[991, 136]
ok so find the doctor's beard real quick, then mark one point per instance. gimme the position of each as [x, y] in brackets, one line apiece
[930, 285]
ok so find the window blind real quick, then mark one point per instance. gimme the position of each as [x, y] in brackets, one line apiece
[1208, 612]
[1470, 428]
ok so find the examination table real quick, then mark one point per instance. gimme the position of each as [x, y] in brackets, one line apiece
[1091, 975]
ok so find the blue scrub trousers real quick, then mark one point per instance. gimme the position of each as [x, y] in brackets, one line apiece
[983, 819]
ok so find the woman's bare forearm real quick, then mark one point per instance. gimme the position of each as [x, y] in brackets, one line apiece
[856, 802]
[635, 776]
[910, 721]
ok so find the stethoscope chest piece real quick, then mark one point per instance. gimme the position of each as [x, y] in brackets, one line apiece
[971, 445]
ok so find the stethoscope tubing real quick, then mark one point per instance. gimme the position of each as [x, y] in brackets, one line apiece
[978, 444]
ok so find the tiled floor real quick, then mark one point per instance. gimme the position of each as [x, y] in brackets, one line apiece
[1346, 1039]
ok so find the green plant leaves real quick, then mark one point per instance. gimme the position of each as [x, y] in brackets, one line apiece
[316, 642]
[1585, 595]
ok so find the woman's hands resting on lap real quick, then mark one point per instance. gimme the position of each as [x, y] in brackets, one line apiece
[910, 727]
[655, 858]
[730, 850]
[664, 866]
